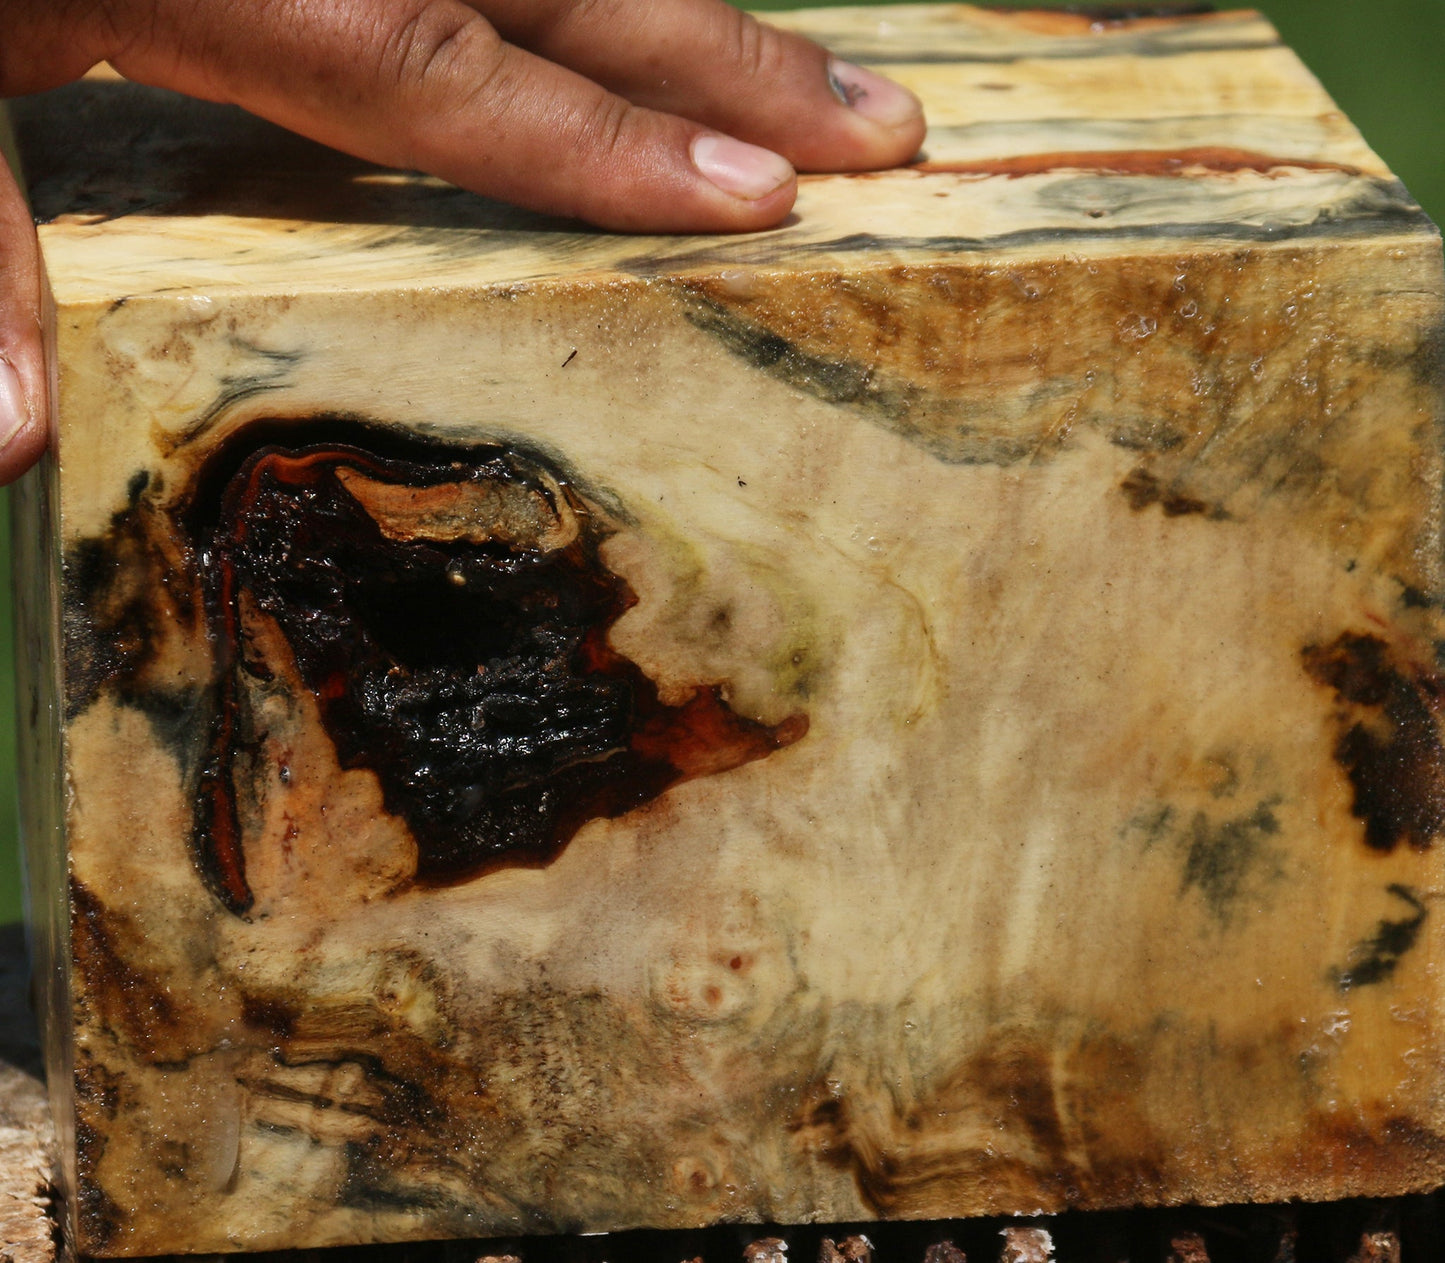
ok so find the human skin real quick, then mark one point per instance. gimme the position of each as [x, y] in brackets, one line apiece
[635, 115]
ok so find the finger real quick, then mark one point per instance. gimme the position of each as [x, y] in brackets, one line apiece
[705, 59]
[429, 84]
[22, 355]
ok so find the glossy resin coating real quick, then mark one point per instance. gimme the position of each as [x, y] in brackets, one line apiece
[932, 710]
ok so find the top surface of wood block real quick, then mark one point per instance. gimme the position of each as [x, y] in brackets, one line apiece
[1049, 133]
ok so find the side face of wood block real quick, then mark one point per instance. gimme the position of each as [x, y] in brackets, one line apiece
[933, 711]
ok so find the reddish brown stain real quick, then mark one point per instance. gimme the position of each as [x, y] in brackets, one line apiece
[1391, 1153]
[1389, 744]
[1144, 489]
[288, 838]
[1153, 162]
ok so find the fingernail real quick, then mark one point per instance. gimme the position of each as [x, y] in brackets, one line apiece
[740, 169]
[14, 411]
[877, 99]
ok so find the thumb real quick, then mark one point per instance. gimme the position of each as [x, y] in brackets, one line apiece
[22, 354]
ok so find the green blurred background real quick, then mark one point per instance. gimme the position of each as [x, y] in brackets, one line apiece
[1384, 62]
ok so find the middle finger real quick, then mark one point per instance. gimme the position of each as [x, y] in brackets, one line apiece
[708, 61]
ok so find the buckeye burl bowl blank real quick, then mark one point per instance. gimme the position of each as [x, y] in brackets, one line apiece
[930, 711]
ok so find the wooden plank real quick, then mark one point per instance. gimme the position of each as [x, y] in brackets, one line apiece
[930, 711]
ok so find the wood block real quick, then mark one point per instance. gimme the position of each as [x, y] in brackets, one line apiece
[932, 710]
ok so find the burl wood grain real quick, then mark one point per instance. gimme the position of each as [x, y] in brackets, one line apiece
[933, 710]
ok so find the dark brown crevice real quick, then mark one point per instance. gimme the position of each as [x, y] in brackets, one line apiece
[464, 659]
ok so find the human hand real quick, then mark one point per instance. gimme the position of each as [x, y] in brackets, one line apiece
[637, 115]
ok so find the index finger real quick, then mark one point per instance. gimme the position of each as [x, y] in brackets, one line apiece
[22, 358]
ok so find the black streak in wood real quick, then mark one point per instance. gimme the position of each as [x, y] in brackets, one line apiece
[1390, 744]
[1377, 958]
